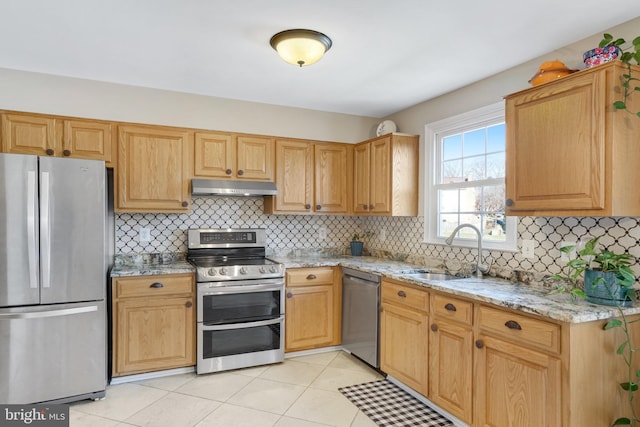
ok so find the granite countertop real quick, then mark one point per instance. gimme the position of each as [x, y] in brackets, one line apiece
[500, 292]
[151, 264]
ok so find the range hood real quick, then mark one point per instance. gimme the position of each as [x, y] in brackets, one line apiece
[223, 187]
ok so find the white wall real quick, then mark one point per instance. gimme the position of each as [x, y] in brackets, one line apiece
[43, 93]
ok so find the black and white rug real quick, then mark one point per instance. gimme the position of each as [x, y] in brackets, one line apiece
[390, 406]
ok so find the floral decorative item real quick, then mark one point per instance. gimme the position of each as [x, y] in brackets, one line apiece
[600, 55]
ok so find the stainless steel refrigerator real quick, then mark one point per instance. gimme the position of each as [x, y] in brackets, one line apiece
[52, 279]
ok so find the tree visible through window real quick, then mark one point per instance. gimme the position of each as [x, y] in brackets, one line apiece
[467, 155]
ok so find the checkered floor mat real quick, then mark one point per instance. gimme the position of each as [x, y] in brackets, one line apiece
[390, 406]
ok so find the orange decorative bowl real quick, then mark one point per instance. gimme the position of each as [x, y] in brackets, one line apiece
[549, 71]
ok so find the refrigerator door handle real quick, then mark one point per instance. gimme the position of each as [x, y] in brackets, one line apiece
[49, 313]
[45, 230]
[32, 244]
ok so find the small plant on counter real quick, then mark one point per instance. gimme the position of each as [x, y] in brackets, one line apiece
[358, 236]
[615, 280]
[628, 57]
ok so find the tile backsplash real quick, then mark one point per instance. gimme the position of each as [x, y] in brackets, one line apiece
[299, 233]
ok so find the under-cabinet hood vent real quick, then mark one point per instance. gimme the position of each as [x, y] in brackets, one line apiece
[221, 187]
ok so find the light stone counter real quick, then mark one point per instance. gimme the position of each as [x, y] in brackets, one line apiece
[500, 292]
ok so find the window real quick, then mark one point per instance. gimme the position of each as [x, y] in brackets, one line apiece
[465, 180]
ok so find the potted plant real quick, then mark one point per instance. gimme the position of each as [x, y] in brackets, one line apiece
[610, 48]
[357, 245]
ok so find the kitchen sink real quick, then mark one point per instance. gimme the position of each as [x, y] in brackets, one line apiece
[432, 276]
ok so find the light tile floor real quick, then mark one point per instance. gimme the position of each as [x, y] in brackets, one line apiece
[300, 392]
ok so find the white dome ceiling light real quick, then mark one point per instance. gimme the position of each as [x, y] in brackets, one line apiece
[301, 47]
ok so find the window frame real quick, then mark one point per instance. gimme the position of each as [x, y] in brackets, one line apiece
[481, 117]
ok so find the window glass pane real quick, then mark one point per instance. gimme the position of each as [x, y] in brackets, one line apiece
[469, 233]
[473, 168]
[447, 224]
[451, 171]
[448, 200]
[496, 138]
[474, 143]
[493, 200]
[452, 147]
[496, 165]
[470, 199]
[495, 227]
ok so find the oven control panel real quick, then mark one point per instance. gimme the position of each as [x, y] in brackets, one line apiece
[239, 272]
[202, 238]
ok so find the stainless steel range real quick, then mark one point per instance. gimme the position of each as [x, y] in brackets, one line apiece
[240, 299]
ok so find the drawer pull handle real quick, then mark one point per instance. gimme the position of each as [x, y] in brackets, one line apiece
[402, 294]
[188, 304]
[311, 277]
[307, 206]
[450, 307]
[228, 171]
[66, 153]
[479, 344]
[240, 172]
[509, 202]
[156, 285]
[318, 207]
[434, 327]
[49, 152]
[184, 204]
[289, 294]
[512, 324]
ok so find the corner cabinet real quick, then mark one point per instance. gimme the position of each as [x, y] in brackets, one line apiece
[385, 176]
[153, 173]
[311, 178]
[153, 323]
[58, 136]
[569, 152]
[229, 156]
[313, 308]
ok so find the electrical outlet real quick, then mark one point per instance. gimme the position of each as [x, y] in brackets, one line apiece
[145, 235]
[567, 256]
[322, 233]
[382, 236]
[528, 247]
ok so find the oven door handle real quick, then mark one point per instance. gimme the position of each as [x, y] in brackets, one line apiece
[243, 325]
[234, 289]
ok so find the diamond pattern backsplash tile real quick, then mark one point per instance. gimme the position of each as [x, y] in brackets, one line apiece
[404, 235]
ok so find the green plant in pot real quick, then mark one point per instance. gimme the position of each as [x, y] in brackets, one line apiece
[357, 244]
[628, 56]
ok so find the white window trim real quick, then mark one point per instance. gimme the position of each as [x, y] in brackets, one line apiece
[466, 121]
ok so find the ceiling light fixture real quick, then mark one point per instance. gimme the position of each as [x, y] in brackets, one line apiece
[300, 47]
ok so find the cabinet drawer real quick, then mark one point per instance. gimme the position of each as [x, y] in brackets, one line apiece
[452, 308]
[533, 333]
[396, 293]
[147, 286]
[309, 276]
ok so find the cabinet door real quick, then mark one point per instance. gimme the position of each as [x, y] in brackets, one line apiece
[556, 146]
[515, 386]
[24, 134]
[450, 367]
[380, 175]
[310, 316]
[88, 140]
[154, 334]
[294, 176]
[361, 178]
[331, 180]
[403, 346]
[254, 157]
[152, 173]
[214, 155]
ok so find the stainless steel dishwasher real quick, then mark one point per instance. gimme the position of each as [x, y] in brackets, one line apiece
[360, 314]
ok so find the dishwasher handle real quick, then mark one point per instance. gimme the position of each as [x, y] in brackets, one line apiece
[356, 280]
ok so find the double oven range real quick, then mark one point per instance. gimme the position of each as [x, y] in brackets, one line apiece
[240, 299]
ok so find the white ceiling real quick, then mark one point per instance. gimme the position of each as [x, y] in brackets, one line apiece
[386, 55]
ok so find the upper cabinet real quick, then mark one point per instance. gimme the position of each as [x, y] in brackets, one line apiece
[153, 171]
[385, 176]
[311, 178]
[57, 136]
[229, 156]
[569, 152]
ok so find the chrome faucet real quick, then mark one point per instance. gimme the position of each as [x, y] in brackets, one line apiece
[480, 267]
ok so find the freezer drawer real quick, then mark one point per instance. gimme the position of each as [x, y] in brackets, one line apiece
[52, 352]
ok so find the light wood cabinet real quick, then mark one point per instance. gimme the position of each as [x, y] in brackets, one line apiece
[568, 152]
[57, 136]
[404, 334]
[230, 156]
[313, 308]
[385, 176]
[451, 355]
[153, 323]
[153, 173]
[311, 178]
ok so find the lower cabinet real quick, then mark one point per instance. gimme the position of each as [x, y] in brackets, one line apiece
[313, 308]
[404, 334]
[153, 323]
